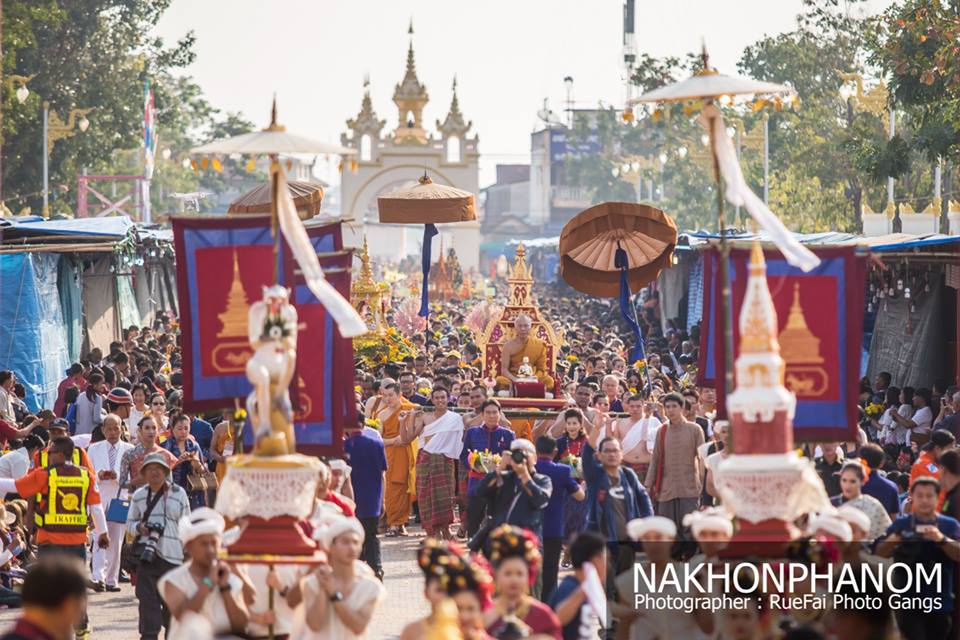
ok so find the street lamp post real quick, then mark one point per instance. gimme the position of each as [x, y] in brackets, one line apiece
[56, 129]
[21, 93]
[568, 83]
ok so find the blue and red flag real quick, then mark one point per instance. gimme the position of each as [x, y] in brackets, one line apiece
[823, 310]
[223, 263]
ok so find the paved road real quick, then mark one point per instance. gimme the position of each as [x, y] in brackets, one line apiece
[114, 615]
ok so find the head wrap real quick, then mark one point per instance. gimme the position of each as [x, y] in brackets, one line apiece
[202, 521]
[334, 526]
[508, 541]
[456, 569]
[341, 466]
[709, 519]
[832, 524]
[639, 527]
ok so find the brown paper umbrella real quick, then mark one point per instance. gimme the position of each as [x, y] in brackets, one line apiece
[427, 203]
[307, 198]
[589, 243]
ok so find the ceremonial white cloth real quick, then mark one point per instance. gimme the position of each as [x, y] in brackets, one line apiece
[739, 194]
[639, 433]
[445, 435]
[348, 320]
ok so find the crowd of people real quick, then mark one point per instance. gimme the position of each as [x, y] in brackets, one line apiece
[526, 520]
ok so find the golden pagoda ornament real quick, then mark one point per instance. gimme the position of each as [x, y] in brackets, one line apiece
[232, 349]
[368, 296]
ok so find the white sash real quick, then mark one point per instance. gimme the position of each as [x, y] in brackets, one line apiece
[636, 435]
[445, 435]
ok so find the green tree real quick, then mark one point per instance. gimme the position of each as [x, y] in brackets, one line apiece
[83, 53]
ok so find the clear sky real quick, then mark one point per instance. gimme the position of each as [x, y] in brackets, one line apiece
[508, 55]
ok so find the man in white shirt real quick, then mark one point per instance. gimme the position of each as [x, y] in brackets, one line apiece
[15, 464]
[105, 457]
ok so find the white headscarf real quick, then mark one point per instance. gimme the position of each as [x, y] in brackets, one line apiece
[200, 522]
[334, 526]
[831, 523]
[639, 527]
[708, 519]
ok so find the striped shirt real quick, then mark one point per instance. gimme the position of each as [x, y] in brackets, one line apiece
[167, 512]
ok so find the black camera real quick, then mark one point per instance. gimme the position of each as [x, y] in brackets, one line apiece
[518, 456]
[153, 535]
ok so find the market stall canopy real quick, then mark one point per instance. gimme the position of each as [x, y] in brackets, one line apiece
[307, 197]
[589, 244]
[427, 203]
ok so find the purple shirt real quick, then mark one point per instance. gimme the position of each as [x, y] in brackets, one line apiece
[368, 461]
[563, 483]
[481, 439]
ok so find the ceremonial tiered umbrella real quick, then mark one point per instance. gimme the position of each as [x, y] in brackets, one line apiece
[307, 198]
[704, 88]
[614, 248]
[427, 203]
[273, 141]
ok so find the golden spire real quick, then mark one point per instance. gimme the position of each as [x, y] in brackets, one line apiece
[758, 318]
[410, 96]
[798, 345]
[234, 316]
[520, 280]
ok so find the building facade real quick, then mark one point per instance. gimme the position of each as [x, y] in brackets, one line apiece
[388, 160]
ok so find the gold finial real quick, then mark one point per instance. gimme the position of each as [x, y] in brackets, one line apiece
[891, 209]
[274, 125]
[906, 207]
[865, 208]
[758, 317]
[953, 206]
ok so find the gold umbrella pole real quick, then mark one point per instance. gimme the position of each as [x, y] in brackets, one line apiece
[274, 215]
[726, 325]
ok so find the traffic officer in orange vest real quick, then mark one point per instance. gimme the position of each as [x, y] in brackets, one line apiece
[57, 429]
[66, 491]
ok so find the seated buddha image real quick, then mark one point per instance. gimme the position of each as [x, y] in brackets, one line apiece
[524, 357]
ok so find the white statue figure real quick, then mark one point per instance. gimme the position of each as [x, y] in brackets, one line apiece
[272, 330]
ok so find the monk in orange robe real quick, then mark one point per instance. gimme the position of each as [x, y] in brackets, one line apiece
[516, 349]
[399, 491]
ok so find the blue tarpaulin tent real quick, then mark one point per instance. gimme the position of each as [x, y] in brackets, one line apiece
[32, 336]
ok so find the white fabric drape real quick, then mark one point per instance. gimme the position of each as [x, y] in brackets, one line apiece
[445, 435]
[348, 320]
[739, 194]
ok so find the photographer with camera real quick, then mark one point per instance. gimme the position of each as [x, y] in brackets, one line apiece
[155, 512]
[517, 494]
[929, 538]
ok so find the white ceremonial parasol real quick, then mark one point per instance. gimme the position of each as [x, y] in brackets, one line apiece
[273, 141]
[708, 86]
